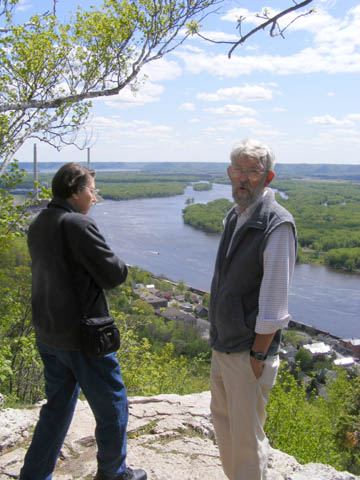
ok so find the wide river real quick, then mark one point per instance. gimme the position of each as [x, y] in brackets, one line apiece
[151, 233]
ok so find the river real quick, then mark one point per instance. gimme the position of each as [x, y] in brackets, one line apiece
[151, 233]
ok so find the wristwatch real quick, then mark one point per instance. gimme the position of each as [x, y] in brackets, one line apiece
[259, 356]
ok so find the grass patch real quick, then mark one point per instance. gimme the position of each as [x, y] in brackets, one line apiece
[147, 429]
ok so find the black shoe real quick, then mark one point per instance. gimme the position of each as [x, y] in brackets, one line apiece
[127, 474]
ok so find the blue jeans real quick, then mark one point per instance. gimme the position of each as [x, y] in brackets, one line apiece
[101, 382]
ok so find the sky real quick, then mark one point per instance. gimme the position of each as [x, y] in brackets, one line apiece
[299, 95]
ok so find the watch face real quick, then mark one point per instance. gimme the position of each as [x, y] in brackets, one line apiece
[258, 356]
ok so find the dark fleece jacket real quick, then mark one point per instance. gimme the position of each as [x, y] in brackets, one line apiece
[71, 265]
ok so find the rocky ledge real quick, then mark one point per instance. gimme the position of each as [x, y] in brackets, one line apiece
[170, 436]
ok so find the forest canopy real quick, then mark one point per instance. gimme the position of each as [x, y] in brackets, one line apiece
[327, 217]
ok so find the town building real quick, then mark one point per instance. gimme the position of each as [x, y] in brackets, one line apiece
[352, 344]
[171, 313]
[153, 300]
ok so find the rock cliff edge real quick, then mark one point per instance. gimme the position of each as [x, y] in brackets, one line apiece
[170, 436]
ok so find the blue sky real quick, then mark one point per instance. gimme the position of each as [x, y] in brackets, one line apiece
[299, 95]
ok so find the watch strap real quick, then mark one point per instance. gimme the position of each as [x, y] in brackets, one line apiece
[259, 356]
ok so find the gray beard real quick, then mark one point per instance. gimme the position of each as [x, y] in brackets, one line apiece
[245, 201]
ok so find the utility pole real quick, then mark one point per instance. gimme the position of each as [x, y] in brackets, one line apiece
[36, 176]
[88, 158]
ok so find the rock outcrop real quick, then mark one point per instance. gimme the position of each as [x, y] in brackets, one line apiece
[170, 436]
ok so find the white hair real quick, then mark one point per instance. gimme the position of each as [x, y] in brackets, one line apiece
[256, 150]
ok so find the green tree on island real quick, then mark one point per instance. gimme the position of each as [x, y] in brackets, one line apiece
[208, 216]
[202, 186]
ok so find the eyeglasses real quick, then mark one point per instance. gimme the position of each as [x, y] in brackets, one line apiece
[252, 174]
[94, 191]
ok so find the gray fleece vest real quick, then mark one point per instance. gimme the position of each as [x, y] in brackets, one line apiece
[237, 278]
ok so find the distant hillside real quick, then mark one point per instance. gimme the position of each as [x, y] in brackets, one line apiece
[321, 171]
[283, 170]
[143, 167]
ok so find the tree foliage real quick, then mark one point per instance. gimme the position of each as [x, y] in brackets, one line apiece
[316, 429]
[208, 216]
[344, 258]
[149, 371]
[305, 359]
[50, 70]
[128, 191]
[202, 186]
[164, 358]
[155, 357]
[185, 341]
[20, 370]
[294, 337]
[12, 212]
[327, 217]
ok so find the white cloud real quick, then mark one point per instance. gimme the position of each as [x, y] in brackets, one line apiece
[314, 23]
[296, 19]
[191, 48]
[218, 65]
[161, 70]
[346, 132]
[247, 93]
[339, 38]
[210, 129]
[244, 122]
[146, 91]
[309, 60]
[253, 48]
[23, 5]
[127, 98]
[331, 94]
[353, 116]
[247, 16]
[339, 139]
[335, 48]
[269, 84]
[269, 132]
[219, 36]
[231, 110]
[194, 120]
[329, 120]
[279, 109]
[231, 125]
[111, 128]
[187, 106]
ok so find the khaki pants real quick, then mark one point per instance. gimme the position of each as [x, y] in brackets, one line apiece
[238, 401]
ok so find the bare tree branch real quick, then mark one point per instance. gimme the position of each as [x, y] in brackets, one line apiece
[270, 21]
[50, 71]
[273, 21]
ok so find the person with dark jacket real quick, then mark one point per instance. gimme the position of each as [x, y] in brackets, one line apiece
[71, 266]
[248, 309]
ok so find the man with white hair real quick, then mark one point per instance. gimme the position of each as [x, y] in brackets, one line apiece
[248, 309]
